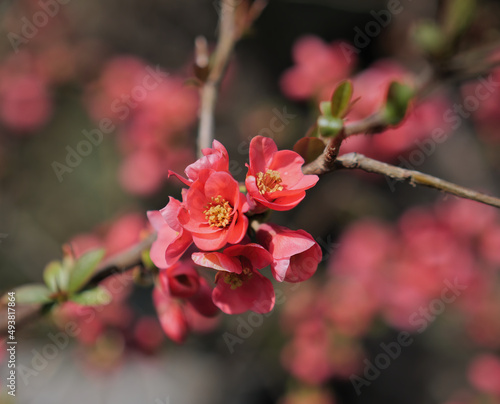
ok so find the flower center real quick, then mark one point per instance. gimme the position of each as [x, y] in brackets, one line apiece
[269, 181]
[218, 212]
[235, 280]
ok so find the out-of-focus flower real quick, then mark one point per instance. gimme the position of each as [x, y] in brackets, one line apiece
[141, 172]
[317, 353]
[25, 104]
[482, 100]
[171, 316]
[308, 396]
[318, 67]
[152, 111]
[93, 322]
[178, 288]
[484, 374]
[148, 334]
[423, 120]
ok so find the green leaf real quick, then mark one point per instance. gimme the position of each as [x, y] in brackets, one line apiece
[429, 37]
[83, 269]
[341, 98]
[93, 297]
[326, 108]
[145, 255]
[398, 99]
[32, 293]
[309, 148]
[329, 126]
[51, 275]
[458, 16]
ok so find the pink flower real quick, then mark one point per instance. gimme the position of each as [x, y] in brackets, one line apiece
[215, 159]
[484, 374]
[25, 103]
[124, 233]
[141, 172]
[295, 253]
[318, 65]
[176, 283]
[148, 335]
[171, 316]
[275, 179]
[172, 240]
[180, 280]
[422, 121]
[239, 286]
[214, 210]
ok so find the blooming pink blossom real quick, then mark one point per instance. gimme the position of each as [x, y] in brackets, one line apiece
[213, 210]
[181, 280]
[215, 158]
[275, 179]
[172, 240]
[171, 316]
[180, 287]
[295, 253]
[239, 286]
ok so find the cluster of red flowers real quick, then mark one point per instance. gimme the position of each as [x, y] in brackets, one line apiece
[213, 213]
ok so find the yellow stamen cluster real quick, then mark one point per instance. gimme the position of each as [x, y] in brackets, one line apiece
[218, 212]
[236, 280]
[269, 181]
[233, 279]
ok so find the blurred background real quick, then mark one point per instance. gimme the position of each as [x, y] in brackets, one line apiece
[98, 100]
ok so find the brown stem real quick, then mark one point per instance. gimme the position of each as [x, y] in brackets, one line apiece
[355, 160]
[326, 161]
[208, 93]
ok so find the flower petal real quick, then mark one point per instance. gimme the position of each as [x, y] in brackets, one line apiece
[261, 153]
[256, 254]
[256, 294]
[218, 261]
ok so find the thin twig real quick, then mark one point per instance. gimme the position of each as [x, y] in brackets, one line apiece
[355, 160]
[325, 162]
[208, 93]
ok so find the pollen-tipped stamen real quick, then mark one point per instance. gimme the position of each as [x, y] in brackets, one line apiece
[270, 181]
[218, 212]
